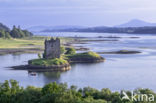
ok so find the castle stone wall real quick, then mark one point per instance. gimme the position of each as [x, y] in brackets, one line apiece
[52, 48]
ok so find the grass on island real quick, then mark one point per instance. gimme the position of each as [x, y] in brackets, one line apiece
[48, 62]
[85, 55]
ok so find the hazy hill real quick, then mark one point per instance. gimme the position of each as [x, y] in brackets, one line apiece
[136, 23]
[53, 28]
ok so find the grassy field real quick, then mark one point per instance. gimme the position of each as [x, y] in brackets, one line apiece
[31, 42]
[21, 43]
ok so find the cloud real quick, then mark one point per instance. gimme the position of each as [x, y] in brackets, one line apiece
[103, 4]
[85, 12]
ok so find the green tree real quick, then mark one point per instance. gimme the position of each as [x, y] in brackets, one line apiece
[15, 33]
[50, 88]
[19, 33]
[7, 35]
[11, 92]
[29, 95]
[2, 34]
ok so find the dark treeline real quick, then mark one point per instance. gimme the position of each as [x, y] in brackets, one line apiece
[11, 92]
[6, 33]
[129, 30]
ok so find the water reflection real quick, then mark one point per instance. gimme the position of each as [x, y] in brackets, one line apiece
[47, 76]
[51, 76]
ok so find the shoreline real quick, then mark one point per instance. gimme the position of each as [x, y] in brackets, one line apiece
[33, 68]
[36, 45]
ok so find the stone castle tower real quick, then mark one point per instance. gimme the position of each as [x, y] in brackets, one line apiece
[52, 48]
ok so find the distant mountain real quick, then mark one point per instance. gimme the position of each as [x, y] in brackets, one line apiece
[4, 27]
[136, 23]
[53, 28]
[132, 27]
[103, 29]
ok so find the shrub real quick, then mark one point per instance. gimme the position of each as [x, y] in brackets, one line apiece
[71, 51]
[62, 48]
[39, 56]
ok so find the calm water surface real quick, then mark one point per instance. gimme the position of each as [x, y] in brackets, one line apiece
[126, 71]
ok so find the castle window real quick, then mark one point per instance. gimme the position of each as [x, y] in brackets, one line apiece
[52, 45]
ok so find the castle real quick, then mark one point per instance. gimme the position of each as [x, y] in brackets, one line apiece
[52, 48]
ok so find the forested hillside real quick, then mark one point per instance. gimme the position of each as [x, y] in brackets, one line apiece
[6, 33]
[3, 27]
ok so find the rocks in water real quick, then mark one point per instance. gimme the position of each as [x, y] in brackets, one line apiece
[63, 67]
[82, 49]
[120, 52]
[109, 37]
[98, 40]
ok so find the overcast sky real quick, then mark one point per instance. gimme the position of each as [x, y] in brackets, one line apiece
[75, 12]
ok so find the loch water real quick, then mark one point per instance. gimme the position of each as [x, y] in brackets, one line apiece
[118, 72]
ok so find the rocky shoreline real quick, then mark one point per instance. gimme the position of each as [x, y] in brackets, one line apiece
[63, 67]
[120, 52]
[36, 68]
